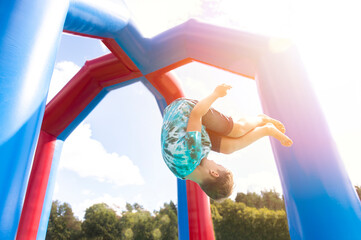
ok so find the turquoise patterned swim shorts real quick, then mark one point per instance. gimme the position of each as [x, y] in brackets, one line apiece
[182, 151]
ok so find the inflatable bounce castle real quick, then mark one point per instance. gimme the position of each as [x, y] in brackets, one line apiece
[321, 202]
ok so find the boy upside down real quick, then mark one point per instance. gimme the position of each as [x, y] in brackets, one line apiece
[191, 129]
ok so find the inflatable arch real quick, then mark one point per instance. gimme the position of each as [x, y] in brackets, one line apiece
[321, 202]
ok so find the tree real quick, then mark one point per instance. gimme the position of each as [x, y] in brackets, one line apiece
[268, 199]
[166, 222]
[101, 223]
[62, 223]
[232, 219]
[136, 223]
[129, 207]
[272, 200]
[250, 199]
[137, 207]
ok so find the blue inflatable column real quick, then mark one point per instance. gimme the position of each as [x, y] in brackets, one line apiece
[321, 202]
[29, 35]
[183, 220]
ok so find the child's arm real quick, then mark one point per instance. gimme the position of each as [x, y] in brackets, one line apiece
[202, 107]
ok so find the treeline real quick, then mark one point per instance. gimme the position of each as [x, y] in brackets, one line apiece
[102, 223]
[251, 216]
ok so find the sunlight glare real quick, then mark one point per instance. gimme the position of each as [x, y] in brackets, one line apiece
[154, 17]
[259, 16]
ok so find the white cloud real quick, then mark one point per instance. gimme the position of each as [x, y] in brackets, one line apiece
[86, 192]
[88, 158]
[63, 72]
[116, 203]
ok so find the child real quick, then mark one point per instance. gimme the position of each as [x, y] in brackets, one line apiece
[191, 129]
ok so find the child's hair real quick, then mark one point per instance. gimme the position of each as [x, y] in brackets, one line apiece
[219, 188]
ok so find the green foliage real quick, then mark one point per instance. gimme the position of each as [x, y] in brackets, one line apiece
[268, 199]
[136, 223]
[100, 223]
[232, 219]
[250, 199]
[250, 217]
[166, 222]
[129, 207]
[62, 223]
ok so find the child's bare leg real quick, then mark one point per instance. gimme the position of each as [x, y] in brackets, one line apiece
[230, 145]
[244, 125]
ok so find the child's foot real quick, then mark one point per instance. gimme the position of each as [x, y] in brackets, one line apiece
[280, 136]
[266, 119]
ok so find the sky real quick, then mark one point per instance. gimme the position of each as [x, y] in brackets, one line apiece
[114, 155]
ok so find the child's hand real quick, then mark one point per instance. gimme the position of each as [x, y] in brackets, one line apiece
[222, 89]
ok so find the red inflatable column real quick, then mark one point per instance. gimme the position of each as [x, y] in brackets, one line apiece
[38, 183]
[199, 214]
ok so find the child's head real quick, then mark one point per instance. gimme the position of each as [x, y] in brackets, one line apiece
[220, 185]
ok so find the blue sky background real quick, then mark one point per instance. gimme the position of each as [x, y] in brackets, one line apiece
[114, 155]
